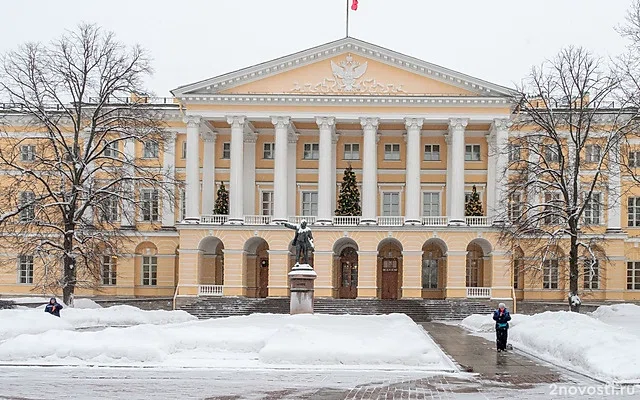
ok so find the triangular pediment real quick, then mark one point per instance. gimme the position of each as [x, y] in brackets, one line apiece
[345, 67]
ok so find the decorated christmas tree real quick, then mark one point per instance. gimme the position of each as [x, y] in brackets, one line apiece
[473, 208]
[349, 197]
[222, 201]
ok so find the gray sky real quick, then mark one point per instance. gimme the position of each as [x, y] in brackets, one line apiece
[495, 40]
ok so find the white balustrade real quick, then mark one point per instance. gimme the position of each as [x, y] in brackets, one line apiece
[390, 221]
[478, 292]
[478, 221]
[435, 221]
[210, 290]
[214, 219]
[298, 219]
[257, 219]
[342, 220]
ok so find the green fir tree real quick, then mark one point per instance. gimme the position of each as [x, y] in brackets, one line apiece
[473, 208]
[222, 201]
[349, 197]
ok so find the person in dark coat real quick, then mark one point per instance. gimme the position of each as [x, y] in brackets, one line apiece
[502, 318]
[53, 307]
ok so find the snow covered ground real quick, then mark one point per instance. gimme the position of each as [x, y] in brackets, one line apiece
[177, 339]
[604, 344]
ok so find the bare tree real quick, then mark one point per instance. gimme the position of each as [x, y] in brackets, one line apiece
[564, 166]
[68, 154]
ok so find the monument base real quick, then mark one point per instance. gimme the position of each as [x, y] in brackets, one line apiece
[301, 277]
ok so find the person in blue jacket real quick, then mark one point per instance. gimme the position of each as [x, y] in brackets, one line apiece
[53, 307]
[502, 318]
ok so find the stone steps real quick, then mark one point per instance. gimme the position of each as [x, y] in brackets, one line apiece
[417, 309]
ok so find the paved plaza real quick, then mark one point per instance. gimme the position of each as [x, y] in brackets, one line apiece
[486, 375]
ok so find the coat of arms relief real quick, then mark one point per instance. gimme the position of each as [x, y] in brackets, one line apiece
[347, 79]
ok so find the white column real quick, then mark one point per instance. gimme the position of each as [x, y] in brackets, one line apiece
[168, 193]
[237, 169]
[192, 187]
[500, 130]
[448, 187]
[334, 155]
[325, 167]
[208, 171]
[456, 131]
[614, 209]
[128, 220]
[369, 171]
[280, 170]
[491, 175]
[291, 175]
[412, 192]
[249, 180]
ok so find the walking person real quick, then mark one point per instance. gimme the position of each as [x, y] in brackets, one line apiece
[502, 318]
[53, 307]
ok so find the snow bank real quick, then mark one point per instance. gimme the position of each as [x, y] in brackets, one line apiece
[485, 323]
[621, 315]
[258, 340]
[121, 316]
[17, 322]
[578, 341]
[77, 303]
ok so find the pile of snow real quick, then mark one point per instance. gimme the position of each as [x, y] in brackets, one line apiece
[485, 323]
[621, 315]
[575, 340]
[29, 321]
[85, 303]
[259, 340]
[77, 303]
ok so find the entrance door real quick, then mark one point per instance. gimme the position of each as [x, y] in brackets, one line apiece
[389, 278]
[348, 274]
[263, 278]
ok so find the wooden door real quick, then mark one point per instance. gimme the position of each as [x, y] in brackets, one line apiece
[263, 280]
[389, 278]
[348, 280]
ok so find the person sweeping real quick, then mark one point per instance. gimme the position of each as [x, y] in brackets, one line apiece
[502, 318]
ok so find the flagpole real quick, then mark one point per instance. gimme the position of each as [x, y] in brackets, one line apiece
[347, 1]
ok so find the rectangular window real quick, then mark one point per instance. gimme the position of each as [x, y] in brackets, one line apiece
[267, 203]
[110, 149]
[633, 275]
[25, 269]
[633, 211]
[593, 210]
[149, 270]
[184, 150]
[311, 151]
[391, 204]
[552, 210]
[109, 209]
[431, 204]
[352, 151]
[28, 152]
[550, 272]
[551, 154]
[268, 151]
[518, 267]
[310, 203]
[514, 152]
[392, 151]
[634, 158]
[591, 274]
[431, 152]
[150, 149]
[226, 150]
[108, 270]
[515, 206]
[593, 153]
[472, 152]
[149, 203]
[27, 203]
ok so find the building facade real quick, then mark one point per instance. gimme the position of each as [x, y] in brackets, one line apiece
[279, 136]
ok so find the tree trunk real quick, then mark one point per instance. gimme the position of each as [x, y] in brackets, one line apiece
[573, 272]
[69, 276]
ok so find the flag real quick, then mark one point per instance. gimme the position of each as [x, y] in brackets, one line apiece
[354, 5]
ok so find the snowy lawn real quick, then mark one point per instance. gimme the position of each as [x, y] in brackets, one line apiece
[259, 340]
[605, 344]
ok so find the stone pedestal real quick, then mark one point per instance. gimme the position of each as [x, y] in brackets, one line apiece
[302, 277]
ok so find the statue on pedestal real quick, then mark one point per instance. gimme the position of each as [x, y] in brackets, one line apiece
[303, 240]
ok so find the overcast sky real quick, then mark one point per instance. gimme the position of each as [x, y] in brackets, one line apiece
[495, 40]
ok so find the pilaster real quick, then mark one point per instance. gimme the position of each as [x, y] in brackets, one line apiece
[456, 282]
[278, 270]
[323, 265]
[368, 274]
[412, 274]
[234, 272]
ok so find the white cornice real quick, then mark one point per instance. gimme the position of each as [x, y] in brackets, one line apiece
[329, 50]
